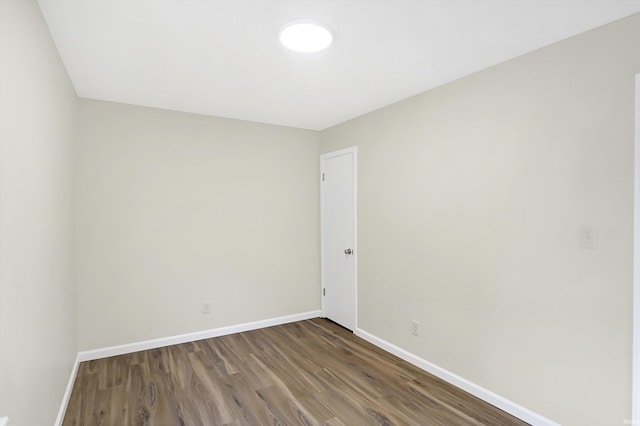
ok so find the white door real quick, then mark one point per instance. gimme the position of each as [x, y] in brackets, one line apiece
[338, 223]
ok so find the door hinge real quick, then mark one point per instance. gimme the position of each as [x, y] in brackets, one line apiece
[324, 291]
[323, 177]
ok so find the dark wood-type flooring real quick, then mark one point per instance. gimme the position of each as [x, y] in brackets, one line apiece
[305, 373]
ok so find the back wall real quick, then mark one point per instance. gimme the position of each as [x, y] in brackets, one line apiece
[174, 209]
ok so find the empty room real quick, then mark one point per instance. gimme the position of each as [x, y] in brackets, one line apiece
[319, 212]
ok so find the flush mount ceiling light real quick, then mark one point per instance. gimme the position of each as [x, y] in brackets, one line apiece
[305, 36]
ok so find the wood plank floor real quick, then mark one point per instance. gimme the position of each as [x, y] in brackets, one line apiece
[310, 372]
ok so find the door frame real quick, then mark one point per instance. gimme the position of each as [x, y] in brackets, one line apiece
[354, 165]
[635, 374]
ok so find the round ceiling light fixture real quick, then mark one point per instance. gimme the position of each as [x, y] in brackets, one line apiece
[305, 36]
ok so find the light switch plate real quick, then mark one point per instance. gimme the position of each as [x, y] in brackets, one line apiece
[589, 237]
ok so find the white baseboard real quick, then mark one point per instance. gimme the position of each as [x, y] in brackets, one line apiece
[167, 341]
[464, 384]
[67, 392]
[476, 390]
[191, 337]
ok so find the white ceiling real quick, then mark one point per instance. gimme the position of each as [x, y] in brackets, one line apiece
[223, 58]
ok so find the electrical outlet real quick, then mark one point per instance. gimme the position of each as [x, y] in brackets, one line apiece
[415, 328]
[206, 307]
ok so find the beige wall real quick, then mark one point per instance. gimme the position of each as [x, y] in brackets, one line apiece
[471, 200]
[37, 292]
[175, 209]
[471, 197]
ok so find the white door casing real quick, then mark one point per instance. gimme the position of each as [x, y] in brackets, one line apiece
[338, 213]
[635, 374]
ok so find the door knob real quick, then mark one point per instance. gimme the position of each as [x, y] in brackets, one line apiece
[348, 251]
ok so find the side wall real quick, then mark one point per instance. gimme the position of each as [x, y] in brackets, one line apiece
[37, 291]
[471, 201]
[175, 209]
